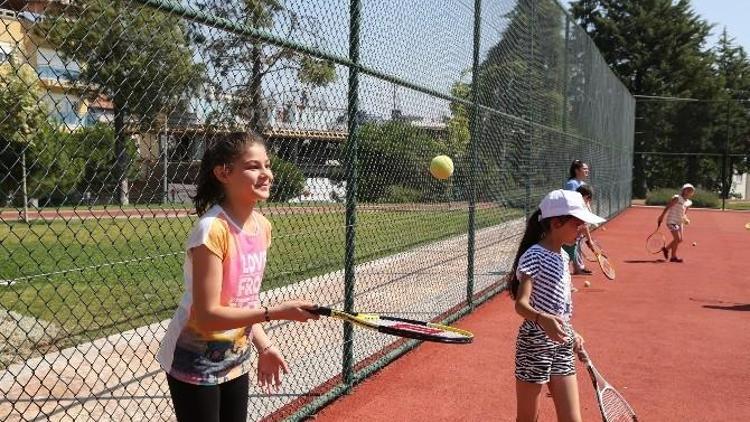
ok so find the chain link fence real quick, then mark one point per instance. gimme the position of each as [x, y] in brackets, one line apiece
[105, 110]
[701, 141]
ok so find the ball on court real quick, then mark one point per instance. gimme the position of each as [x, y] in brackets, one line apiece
[695, 243]
[587, 283]
[441, 167]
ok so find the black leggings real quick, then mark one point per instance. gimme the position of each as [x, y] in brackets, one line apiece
[226, 402]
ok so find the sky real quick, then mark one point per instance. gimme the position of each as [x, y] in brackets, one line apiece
[733, 14]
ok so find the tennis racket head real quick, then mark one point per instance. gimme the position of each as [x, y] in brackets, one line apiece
[425, 331]
[612, 405]
[606, 266]
[407, 328]
[655, 242]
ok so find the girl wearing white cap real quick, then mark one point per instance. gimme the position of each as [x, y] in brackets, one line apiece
[676, 212]
[540, 285]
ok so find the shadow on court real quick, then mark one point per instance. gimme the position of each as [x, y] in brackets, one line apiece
[644, 261]
[741, 308]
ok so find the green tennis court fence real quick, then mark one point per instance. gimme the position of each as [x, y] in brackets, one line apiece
[108, 105]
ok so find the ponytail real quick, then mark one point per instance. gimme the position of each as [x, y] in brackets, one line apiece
[535, 231]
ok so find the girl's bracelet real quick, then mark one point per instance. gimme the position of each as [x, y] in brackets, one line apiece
[265, 314]
[265, 349]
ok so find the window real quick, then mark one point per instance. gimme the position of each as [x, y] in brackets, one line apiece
[51, 66]
[63, 109]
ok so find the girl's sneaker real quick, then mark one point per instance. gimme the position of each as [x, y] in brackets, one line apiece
[675, 259]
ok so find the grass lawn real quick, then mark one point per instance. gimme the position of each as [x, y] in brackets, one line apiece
[100, 277]
[738, 205]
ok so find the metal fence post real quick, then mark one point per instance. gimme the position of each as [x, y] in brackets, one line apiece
[564, 117]
[165, 164]
[724, 187]
[25, 216]
[473, 162]
[355, 8]
[530, 112]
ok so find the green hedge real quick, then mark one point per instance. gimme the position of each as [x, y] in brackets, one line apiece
[701, 199]
[288, 180]
[396, 194]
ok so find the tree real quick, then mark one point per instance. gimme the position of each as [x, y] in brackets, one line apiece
[289, 181]
[733, 65]
[23, 116]
[55, 159]
[241, 64]
[522, 75]
[657, 47]
[137, 57]
[458, 123]
[55, 165]
[395, 153]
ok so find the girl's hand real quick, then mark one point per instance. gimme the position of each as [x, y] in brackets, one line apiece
[554, 327]
[577, 343]
[270, 366]
[294, 310]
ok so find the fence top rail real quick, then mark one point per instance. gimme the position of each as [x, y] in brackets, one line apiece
[689, 154]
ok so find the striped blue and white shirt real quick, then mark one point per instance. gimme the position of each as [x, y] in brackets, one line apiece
[550, 275]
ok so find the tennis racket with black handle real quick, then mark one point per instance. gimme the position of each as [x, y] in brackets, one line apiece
[408, 328]
[612, 405]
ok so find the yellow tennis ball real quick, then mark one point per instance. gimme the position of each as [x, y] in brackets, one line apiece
[587, 283]
[695, 243]
[441, 167]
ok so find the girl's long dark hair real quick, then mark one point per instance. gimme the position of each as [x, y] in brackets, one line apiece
[223, 149]
[535, 231]
[585, 191]
[575, 165]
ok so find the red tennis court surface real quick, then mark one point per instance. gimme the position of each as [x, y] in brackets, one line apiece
[673, 338]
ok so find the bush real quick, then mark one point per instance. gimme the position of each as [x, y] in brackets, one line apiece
[701, 199]
[393, 152]
[61, 165]
[396, 194]
[288, 180]
[99, 177]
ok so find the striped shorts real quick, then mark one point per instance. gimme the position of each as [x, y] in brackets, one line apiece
[538, 357]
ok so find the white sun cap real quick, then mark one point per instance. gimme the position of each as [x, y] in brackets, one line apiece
[687, 186]
[567, 202]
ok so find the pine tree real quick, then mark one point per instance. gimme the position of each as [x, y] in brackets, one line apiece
[658, 47]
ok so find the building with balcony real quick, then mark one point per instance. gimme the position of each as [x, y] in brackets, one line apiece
[64, 97]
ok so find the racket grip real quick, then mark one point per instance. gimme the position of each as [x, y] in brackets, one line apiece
[321, 310]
